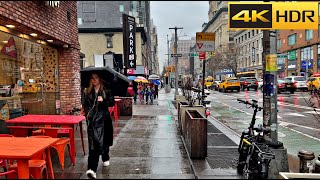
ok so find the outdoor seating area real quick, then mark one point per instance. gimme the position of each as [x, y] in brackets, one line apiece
[27, 151]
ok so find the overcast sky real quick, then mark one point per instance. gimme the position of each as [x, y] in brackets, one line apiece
[167, 14]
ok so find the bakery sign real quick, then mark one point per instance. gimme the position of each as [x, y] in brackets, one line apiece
[52, 3]
[9, 48]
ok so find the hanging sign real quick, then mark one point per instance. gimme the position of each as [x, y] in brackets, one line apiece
[10, 48]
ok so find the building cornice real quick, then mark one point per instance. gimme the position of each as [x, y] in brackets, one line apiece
[215, 17]
[238, 32]
[112, 30]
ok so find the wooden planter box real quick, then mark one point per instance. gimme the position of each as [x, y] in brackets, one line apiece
[181, 103]
[125, 106]
[182, 116]
[196, 136]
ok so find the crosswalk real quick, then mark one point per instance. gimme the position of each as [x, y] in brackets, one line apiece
[289, 105]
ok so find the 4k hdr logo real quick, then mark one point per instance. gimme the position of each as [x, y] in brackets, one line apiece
[275, 15]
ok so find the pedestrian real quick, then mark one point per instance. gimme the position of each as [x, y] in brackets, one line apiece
[147, 92]
[97, 99]
[135, 90]
[156, 91]
[141, 92]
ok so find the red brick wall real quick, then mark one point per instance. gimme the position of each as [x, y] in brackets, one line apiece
[48, 20]
[34, 16]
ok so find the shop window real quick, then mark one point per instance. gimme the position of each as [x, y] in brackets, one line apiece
[292, 39]
[309, 34]
[69, 16]
[109, 42]
[279, 43]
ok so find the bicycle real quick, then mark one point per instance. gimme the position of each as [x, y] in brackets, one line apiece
[254, 155]
[197, 96]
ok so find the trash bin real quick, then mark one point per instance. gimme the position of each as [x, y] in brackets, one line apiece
[306, 161]
[196, 136]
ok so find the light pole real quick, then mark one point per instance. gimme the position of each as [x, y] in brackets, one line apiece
[176, 62]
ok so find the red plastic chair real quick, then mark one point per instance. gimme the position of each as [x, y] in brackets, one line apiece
[60, 146]
[37, 168]
[12, 174]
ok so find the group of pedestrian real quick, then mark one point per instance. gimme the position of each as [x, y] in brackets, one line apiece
[145, 91]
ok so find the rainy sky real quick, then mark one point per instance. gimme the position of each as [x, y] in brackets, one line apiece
[167, 14]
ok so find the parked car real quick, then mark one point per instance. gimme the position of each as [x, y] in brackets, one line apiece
[299, 81]
[248, 83]
[285, 85]
[215, 85]
[5, 90]
[314, 82]
[229, 84]
[260, 83]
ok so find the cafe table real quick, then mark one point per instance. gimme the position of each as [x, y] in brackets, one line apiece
[22, 149]
[56, 120]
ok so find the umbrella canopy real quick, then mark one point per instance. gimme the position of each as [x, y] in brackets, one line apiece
[132, 78]
[113, 79]
[141, 79]
[156, 82]
[153, 77]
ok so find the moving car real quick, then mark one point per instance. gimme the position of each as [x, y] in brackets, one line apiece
[314, 82]
[248, 83]
[285, 85]
[300, 82]
[208, 82]
[215, 85]
[5, 90]
[229, 84]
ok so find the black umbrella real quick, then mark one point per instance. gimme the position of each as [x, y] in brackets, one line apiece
[116, 81]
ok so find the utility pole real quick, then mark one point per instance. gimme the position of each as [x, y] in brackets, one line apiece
[176, 62]
[168, 88]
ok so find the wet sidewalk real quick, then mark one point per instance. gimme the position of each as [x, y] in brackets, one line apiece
[146, 146]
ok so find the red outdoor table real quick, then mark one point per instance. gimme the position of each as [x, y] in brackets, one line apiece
[61, 120]
[23, 149]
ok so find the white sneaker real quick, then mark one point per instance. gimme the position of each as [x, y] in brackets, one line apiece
[106, 163]
[91, 174]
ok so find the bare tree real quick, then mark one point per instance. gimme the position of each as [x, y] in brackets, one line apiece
[227, 58]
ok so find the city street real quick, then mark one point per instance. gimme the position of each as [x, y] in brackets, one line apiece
[298, 123]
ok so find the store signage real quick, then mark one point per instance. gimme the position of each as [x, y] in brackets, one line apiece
[304, 62]
[52, 3]
[292, 55]
[292, 65]
[10, 48]
[280, 67]
[129, 41]
[130, 71]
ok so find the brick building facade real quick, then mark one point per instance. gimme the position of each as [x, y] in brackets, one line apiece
[301, 47]
[56, 28]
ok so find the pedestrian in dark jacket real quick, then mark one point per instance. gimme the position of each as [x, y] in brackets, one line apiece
[97, 99]
[135, 90]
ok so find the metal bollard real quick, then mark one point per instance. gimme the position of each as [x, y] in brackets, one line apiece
[306, 161]
[317, 165]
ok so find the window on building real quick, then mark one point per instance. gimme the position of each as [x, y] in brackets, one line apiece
[292, 39]
[319, 31]
[248, 34]
[241, 38]
[109, 42]
[121, 8]
[245, 37]
[309, 34]
[257, 32]
[279, 43]
[252, 32]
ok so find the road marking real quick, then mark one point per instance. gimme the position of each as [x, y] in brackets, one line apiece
[294, 114]
[285, 124]
[303, 134]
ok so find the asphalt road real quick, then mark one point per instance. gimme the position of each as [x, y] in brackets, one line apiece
[298, 122]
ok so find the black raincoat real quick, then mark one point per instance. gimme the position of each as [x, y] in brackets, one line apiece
[99, 122]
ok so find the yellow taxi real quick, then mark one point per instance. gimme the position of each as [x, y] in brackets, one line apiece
[208, 82]
[229, 84]
[314, 82]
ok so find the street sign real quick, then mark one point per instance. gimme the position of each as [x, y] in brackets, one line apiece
[282, 56]
[303, 64]
[202, 55]
[129, 41]
[193, 54]
[176, 55]
[205, 41]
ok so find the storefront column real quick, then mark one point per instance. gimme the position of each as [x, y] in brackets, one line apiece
[69, 78]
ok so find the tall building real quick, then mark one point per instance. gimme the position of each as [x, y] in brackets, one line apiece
[218, 23]
[249, 45]
[154, 49]
[184, 49]
[100, 22]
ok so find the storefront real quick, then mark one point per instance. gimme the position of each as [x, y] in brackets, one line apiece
[281, 59]
[292, 63]
[39, 60]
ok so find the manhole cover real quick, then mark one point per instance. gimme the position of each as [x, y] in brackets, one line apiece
[219, 140]
[222, 157]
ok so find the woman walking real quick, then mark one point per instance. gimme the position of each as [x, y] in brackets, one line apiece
[97, 99]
